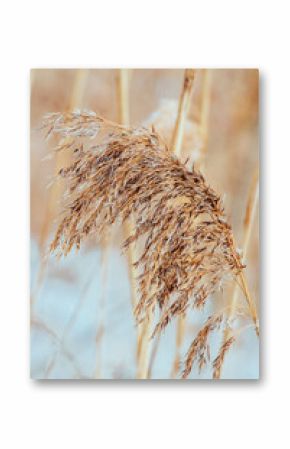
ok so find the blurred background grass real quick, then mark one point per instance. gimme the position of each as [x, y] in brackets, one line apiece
[81, 317]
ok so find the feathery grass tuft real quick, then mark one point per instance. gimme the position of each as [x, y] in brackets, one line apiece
[118, 173]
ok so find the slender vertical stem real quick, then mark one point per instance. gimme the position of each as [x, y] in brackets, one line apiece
[204, 119]
[176, 148]
[101, 307]
[183, 106]
[122, 85]
[180, 333]
[124, 119]
[144, 346]
[248, 227]
[143, 329]
[204, 114]
[123, 94]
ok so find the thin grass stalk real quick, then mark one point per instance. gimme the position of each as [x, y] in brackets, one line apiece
[176, 148]
[249, 218]
[144, 346]
[142, 329]
[153, 354]
[180, 334]
[101, 309]
[183, 106]
[204, 114]
[181, 320]
[250, 213]
[62, 159]
[62, 340]
[123, 81]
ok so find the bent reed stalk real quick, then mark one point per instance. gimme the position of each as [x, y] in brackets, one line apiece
[228, 335]
[176, 148]
[204, 119]
[142, 336]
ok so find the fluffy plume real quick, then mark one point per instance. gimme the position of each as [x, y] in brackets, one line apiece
[186, 245]
[219, 360]
[199, 348]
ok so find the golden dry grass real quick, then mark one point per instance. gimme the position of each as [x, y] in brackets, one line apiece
[187, 244]
[88, 134]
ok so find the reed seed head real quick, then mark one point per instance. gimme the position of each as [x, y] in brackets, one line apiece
[119, 173]
[219, 360]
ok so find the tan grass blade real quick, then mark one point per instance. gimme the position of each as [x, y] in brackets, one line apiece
[228, 337]
[101, 309]
[176, 148]
[123, 81]
[184, 102]
[143, 329]
[204, 114]
[204, 119]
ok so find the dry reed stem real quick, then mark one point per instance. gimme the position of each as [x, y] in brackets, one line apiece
[176, 149]
[180, 334]
[123, 77]
[101, 309]
[204, 120]
[248, 226]
[153, 355]
[179, 220]
[122, 88]
[204, 114]
[142, 334]
[184, 102]
[144, 346]
[123, 81]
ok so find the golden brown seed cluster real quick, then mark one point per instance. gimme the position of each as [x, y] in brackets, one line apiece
[185, 244]
[199, 351]
[219, 360]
